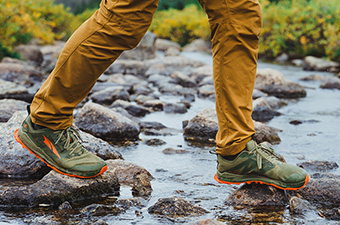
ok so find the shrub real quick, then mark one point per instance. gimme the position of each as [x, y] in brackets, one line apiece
[181, 26]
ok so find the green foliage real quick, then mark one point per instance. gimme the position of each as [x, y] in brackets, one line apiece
[175, 4]
[181, 26]
[301, 28]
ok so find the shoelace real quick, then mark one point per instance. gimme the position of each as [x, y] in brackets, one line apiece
[265, 152]
[72, 140]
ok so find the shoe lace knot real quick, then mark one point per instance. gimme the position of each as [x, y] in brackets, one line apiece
[265, 152]
[72, 140]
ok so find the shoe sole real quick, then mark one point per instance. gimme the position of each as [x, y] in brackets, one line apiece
[52, 167]
[262, 182]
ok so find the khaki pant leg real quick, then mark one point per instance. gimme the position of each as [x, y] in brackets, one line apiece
[235, 28]
[116, 26]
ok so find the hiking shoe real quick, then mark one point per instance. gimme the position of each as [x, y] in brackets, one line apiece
[259, 164]
[60, 149]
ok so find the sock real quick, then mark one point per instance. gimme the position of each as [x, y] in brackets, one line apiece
[232, 157]
[37, 127]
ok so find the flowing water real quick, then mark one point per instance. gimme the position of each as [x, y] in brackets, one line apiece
[190, 175]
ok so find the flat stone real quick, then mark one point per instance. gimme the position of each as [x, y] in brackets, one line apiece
[11, 90]
[317, 165]
[133, 109]
[9, 106]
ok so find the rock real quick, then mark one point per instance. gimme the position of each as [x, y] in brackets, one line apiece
[262, 111]
[126, 171]
[274, 83]
[198, 45]
[64, 206]
[54, 49]
[9, 106]
[206, 80]
[11, 90]
[144, 50]
[109, 95]
[156, 129]
[172, 151]
[258, 94]
[200, 73]
[172, 51]
[100, 222]
[204, 126]
[101, 210]
[324, 190]
[206, 91]
[13, 60]
[15, 161]
[295, 122]
[55, 188]
[297, 62]
[174, 207]
[174, 89]
[266, 133]
[255, 195]
[142, 99]
[164, 45]
[318, 64]
[283, 58]
[128, 203]
[274, 102]
[158, 80]
[175, 108]
[183, 80]
[155, 142]
[299, 206]
[317, 165]
[208, 222]
[133, 67]
[126, 80]
[156, 105]
[141, 89]
[20, 74]
[135, 110]
[30, 53]
[105, 123]
[141, 185]
[315, 77]
[331, 83]
[331, 214]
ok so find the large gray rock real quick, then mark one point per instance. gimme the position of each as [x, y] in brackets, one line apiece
[204, 126]
[122, 66]
[262, 111]
[30, 53]
[174, 207]
[9, 106]
[274, 83]
[314, 63]
[198, 45]
[164, 45]
[144, 50]
[12, 90]
[55, 188]
[104, 123]
[21, 74]
[183, 80]
[331, 83]
[257, 195]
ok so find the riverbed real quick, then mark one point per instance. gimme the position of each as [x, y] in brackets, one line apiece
[190, 175]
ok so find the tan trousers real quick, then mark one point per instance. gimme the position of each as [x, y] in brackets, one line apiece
[119, 25]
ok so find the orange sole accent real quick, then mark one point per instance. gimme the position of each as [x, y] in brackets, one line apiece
[55, 169]
[261, 182]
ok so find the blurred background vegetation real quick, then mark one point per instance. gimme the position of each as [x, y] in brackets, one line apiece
[295, 27]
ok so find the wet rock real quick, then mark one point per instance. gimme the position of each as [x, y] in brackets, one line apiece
[258, 94]
[54, 49]
[208, 222]
[172, 51]
[172, 151]
[30, 53]
[105, 123]
[317, 165]
[299, 206]
[55, 188]
[274, 102]
[126, 171]
[331, 214]
[318, 64]
[262, 111]
[198, 45]
[125, 79]
[141, 89]
[295, 122]
[174, 207]
[266, 133]
[64, 206]
[183, 80]
[9, 106]
[133, 109]
[174, 89]
[283, 58]
[200, 73]
[164, 45]
[156, 105]
[257, 195]
[20, 74]
[133, 67]
[144, 50]
[157, 79]
[11, 90]
[315, 77]
[101, 210]
[156, 129]
[13, 60]
[175, 108]
[324, 190]
[100, 222]
[141, 185]
[274, 83]
[15, 161]
[204, 126]
[206, 91]
[128, 203]
[155, 142]
[109, 95]
[297, 62]
[331, 83]
[141, 99]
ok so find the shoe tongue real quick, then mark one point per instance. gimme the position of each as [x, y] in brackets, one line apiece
[251, 145]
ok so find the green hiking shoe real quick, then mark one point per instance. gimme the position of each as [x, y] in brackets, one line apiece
[61, 150]
[259, 164]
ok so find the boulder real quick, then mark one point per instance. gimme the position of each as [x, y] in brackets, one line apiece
[110, 94]
[164, 45]
[198, 45]
[155, 142]
[156, 129]
[172, 51]
[262, 111]
[206, 91]
[331, 83]
[183, 80]
[299, 206]
[106, 124]
[175, 108]
[30, 53]
[133, 67]
[274, 83]
[141, 185]
[133, 109]
[317, 165]
[202, 72]
[266, 133]
[319, 64]
[9, 106]
[11, 90]
[174, 207]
